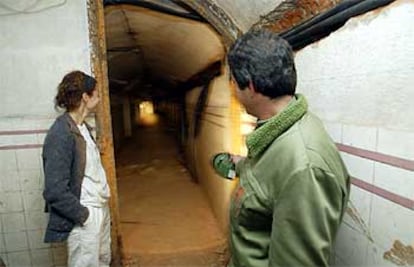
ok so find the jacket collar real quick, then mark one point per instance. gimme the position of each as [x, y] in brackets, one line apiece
[73, 127]
[71, 123]
[263, 136]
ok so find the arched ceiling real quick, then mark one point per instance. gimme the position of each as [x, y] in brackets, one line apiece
[156, 47]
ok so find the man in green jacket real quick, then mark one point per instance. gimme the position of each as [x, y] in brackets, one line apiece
[293, 187]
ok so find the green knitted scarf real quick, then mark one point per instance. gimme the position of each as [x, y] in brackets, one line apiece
[263, 136]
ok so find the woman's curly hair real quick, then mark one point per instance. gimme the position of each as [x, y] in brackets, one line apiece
[71, 88]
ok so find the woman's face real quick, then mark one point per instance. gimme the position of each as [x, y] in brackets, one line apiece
[91, 101]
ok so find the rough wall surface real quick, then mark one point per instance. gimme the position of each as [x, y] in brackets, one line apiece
[214, 136]
[256, 9]
[359, 81]
[40, 41]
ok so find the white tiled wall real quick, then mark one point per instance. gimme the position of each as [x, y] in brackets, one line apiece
[16, 241]
[396, 143]
[360, 206]
[13, 222]
[19, 259]
[395, 180]
[31, 179]
[33, 60]
[334, 129]
[11, 202]
[365, 103]
[21, 211]
[384, 221]
[35, 220]
[358, 167]
[2, 245]
[28, 159]
[33, 201]
[8, 160]
[36, 239]
[22, 216]
[390, 222]
[17, 139]
[10, 181]
[360, 136]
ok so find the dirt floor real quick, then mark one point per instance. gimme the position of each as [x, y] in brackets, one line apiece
[165, 217]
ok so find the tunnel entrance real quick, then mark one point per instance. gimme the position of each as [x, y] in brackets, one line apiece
[154, 58]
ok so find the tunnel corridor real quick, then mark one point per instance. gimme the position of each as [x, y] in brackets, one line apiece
[165, 218]
[166, 214]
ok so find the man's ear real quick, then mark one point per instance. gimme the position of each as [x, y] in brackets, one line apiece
[251, 87]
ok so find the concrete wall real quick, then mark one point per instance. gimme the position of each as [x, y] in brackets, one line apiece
[40, 41]
[359, 80]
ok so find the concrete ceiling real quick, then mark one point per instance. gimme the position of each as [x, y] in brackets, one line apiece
[245, 13]
[149, 46]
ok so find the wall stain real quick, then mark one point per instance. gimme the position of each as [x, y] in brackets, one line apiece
[400, 254]
[357, 218]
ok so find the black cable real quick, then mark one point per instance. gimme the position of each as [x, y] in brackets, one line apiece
[323, 24]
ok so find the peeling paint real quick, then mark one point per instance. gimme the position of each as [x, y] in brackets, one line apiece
[357, 218]
[400, 254]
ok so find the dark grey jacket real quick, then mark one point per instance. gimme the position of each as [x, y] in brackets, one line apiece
[64, 159]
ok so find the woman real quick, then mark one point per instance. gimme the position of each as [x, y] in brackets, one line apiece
[76, 191]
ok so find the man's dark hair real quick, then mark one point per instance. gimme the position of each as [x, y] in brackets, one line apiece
[265, 59]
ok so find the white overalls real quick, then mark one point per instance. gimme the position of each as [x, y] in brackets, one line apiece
[90, 245]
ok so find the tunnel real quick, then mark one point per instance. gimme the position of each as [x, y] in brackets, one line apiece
[168, 95]
[172, 109]
[166, 108]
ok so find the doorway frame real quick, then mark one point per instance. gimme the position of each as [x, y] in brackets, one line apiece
[217, 18]
[97, 38]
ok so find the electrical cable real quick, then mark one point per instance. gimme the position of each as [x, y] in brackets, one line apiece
[323, 24]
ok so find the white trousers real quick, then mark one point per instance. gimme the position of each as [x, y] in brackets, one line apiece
[90, 245]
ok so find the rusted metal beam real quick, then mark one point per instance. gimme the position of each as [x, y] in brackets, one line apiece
[293, 12]
[96, 19]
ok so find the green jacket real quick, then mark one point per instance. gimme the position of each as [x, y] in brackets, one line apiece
[292, 193]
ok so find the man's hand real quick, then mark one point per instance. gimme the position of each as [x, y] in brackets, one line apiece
[236, 158]
[224, 165]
